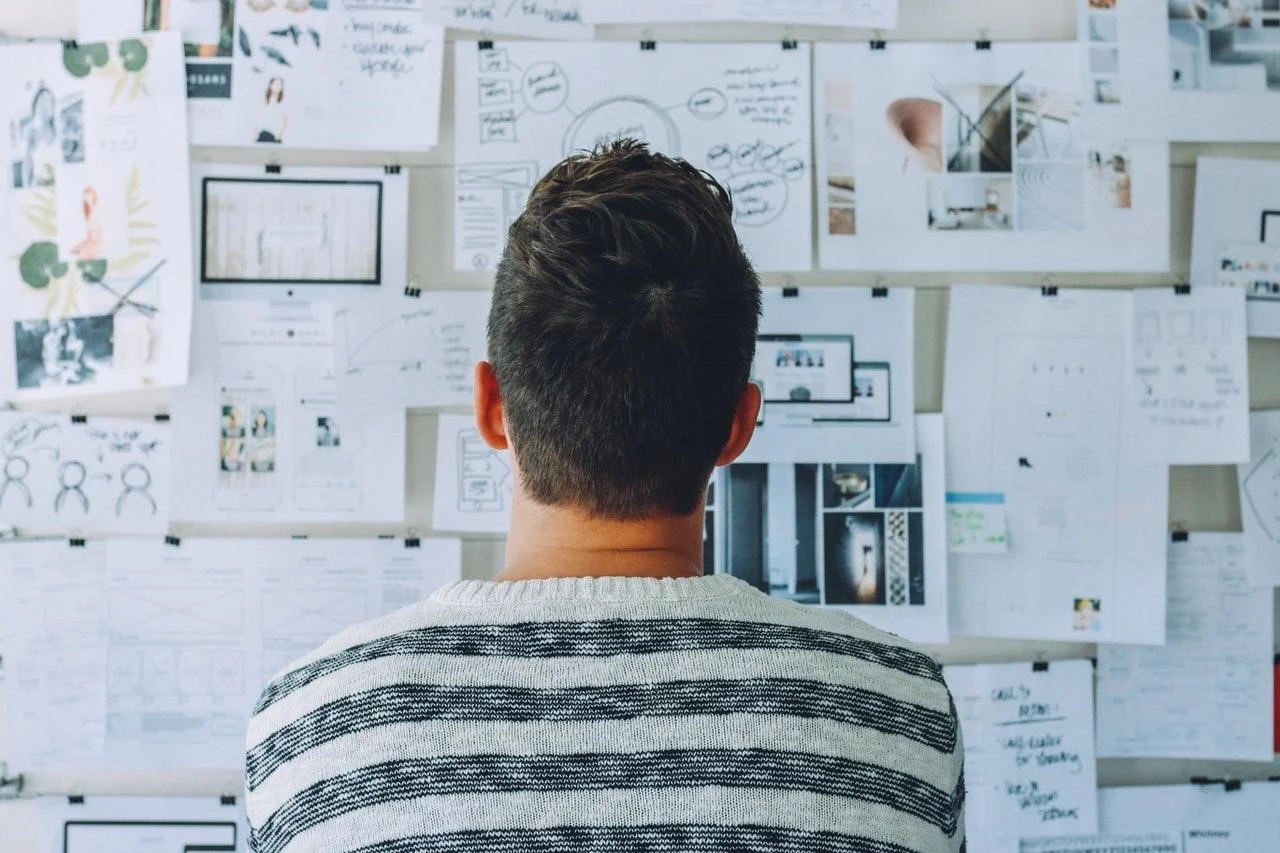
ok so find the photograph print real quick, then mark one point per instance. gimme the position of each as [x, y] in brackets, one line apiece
[1224, 45]
[62, 352]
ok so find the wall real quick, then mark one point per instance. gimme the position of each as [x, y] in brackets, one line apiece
[1203, 498]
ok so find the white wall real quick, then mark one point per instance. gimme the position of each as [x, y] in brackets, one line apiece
[1203, 498]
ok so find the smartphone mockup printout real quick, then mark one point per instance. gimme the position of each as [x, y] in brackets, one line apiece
[326, 446]
[872, 391]
[247, 463]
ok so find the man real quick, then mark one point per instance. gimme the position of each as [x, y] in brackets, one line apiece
[603, 695]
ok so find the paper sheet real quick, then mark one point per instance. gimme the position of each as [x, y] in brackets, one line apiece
[868, 538]
[967, 159]
[836, 367]
[976, 523]
[1185, 70]
[298, 74]
[871, 14]
[547, 19]
[1190, 396]
[117, 824]
[741, 111]
[334, 234]
[102, 475]
[54, 638]
[141, 655]
[418, 350]
[474, 484]
[1179, 819]
[1035, 402]
[1029, 765]
[1207, 693]
[1236, 241]
[1260, 499]
[266, 437]
[94, 218]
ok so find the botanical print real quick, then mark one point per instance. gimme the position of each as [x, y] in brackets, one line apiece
[97, 291]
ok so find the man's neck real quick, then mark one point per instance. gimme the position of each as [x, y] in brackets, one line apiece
[558, 542]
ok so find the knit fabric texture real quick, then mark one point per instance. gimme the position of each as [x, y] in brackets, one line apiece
[598, 715]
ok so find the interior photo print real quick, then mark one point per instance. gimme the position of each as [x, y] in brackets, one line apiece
[836, 534]
[1224, 45]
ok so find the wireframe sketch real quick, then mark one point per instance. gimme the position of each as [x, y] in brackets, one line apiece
[1224, 45]
[737, 111]
[484, 478]
[291, 231]
[106, 475]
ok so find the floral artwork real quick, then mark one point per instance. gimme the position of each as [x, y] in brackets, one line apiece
[95, 276]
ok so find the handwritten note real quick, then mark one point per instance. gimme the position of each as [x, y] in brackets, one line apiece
[1189, 393]
[549, 19]
[1207, 692]
[976, 523]
[1029, 750]
[388, 68]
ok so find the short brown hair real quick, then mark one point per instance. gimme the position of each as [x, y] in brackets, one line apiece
[622, 332]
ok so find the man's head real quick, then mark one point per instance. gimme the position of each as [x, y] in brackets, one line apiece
[621, 336]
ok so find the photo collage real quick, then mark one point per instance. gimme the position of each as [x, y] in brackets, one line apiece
[1102, 22]
[831, 534]
[1224, 45]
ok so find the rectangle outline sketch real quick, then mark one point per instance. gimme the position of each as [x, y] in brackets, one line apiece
[513, 180]
[235, 830]
[206, 180]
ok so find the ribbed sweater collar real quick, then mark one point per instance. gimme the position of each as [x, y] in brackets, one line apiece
[475, 593]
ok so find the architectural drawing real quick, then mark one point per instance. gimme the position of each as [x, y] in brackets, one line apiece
[978, 159]
[866, 537]
[739, 111]
[97, 233]
[1260, 499]
[91, 475]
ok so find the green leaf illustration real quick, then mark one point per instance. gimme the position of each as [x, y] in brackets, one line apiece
[75, 61]
[39, 264]
[93, 271]
[133, 54]
[97, 54]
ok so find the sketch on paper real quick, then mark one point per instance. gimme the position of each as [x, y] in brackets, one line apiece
[548, 19]
[740, 111]
[973, 158]
[1260, 499]
[474, 483]
[99, 255]
[419, 349]
[93, 476]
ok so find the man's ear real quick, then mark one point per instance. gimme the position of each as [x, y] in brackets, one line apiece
[489, 417]
[743, 426]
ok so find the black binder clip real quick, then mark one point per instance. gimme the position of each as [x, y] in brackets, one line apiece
[162, 417]
[1049, 290]
[273, 168]
[10, 786]
[299, 536]
[391, 170]
[79, 419]
[790, 44]
[982, 44]
[412, 290]
[173, 541]
[1040, 666]
[227, 800]
[75, 543]
[1182, 289]
[878, 43]
[879, 293]
[413, 542]
[1180, 536]
[75, 799]
[648, 44]
[484, 44]
[1232, 785]
[70, 44]
[790, 292]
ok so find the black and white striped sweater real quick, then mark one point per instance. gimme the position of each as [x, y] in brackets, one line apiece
[602, 715]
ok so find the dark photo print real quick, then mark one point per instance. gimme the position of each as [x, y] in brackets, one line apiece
[855, 558]
[51, 353]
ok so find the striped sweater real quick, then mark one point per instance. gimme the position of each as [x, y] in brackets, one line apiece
[601, 715]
